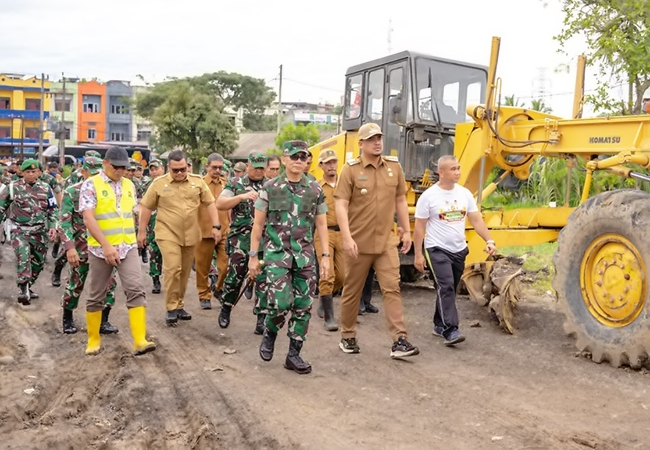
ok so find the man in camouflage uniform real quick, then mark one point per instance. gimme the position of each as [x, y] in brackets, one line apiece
[156, 169]
[238, 196]
[72, 232]
[75, 176]
[288, 207]
[30, 207]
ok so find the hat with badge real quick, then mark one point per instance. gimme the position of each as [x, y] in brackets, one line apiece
[257, 160]
[155, 163]
[293, 147]
[240, 166]
[133, 164]
[92, 164]
[327, 155]
[29, 164]
[369, 130]
[93, 153]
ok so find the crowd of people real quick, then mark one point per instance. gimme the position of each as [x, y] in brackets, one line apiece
[266, 228]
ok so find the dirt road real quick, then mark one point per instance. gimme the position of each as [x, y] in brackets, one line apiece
[527, 391]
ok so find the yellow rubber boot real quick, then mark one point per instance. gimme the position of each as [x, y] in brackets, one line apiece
[93, 322]
[138, 322]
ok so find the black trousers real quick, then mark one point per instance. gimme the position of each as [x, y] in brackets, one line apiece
[447, 268]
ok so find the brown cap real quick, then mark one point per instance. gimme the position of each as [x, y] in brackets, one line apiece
[369, 130]
[327, 155]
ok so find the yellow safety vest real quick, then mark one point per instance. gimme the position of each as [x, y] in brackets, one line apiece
[116, 223]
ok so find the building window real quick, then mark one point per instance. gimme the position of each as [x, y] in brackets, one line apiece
[92, 134]
[62, 105]
[118, 137]
[119, 109]
[5, 132]
[32, 104]
[31, 133]
[144, 135]
[91, 107]
[5, 103]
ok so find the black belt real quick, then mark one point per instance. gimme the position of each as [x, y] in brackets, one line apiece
[334, 228]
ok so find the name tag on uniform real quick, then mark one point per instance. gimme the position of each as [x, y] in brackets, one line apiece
[362, 178]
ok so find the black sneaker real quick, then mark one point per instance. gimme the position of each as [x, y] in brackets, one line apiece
[206, 304]
[403, 348]
[454, 338]
[172, 317]
[183, 315]
[349, 345]
[438, 331]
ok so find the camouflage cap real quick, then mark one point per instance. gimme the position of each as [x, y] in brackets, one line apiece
[155, 163]
[92, 164]
[133, 164]
[257, 160]
[240, 166]
[92, 153]
[369, 130]
[29, 164]
[293, 147]
[327, 155]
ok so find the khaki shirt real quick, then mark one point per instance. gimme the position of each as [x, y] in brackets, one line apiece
[329, 200]
[205, 222]
[371, 192]
[178, 204]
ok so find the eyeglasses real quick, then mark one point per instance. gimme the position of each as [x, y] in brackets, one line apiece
[299, 156]
[216, 167]
[273, 169]
[180, 170]
[119, 167]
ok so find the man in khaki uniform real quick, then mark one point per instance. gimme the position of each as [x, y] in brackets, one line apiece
[177, 197]
[328, 162]
[207, 246]
[370, 189]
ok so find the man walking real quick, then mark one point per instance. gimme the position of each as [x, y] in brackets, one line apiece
[156, 169]
[108, 203]
[370, 190]
[440, 214]
[177, 197]
[287, 209]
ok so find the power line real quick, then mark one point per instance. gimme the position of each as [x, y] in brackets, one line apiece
[314, 85]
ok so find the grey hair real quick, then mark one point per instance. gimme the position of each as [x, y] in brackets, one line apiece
[215, 157]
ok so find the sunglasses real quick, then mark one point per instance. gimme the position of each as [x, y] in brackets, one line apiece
[119, 167]
[180, 170]
[216, 167]
[299, 156]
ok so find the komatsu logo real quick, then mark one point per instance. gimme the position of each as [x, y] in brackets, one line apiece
[604, 139]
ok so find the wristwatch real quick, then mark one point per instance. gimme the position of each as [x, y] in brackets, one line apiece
[252, 253]
[325, 255]
[217, 227]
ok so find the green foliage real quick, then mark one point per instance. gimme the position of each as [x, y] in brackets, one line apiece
[617, 37]
[290, 132]
[510, 100]
[538, 260]
[539, 105]
[237, 91]
[260, 122]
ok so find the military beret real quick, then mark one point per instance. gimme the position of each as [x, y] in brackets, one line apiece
[29, 164]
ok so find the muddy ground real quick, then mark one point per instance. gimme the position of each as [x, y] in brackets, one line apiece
[206, 388]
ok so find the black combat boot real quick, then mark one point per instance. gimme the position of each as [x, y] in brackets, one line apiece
[68, 322]
[105, 327]
[56, 275]
[294, 361]
[156, 284]
[268, 345]
[23, 294]
[248, 293]
[259, 327]
[55, 249]
[224, 316]
[328, 309]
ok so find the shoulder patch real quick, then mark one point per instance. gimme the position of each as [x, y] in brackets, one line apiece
[390, 158]
[354, 161]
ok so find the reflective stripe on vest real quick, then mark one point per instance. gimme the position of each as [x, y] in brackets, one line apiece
[116, 223]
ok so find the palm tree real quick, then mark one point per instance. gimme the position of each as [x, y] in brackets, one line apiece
[539, 105]
[512, 101]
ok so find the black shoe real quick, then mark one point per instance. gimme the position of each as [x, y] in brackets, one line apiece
[403, 348]
[183, 315]
[454, 338]
[328, 310]
[224, 316]
[206, 304]
[23, 294]
[56, 275]
[156, 284]
[362, 308]
[55, 250]
[32, 294]
[248, 293]
[172, 317]
[68, 322]
[349, 345]
[268, 345]
[294, 361]
[259, 327]
[145, 256]
[371, 309]
[105, 327]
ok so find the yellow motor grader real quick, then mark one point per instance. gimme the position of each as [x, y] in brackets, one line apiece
[429, 107]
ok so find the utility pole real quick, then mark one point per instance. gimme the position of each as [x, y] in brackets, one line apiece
[42, 119]
[62, 128]
[280, 102]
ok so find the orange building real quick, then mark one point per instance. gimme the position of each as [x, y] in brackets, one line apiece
[91, 125]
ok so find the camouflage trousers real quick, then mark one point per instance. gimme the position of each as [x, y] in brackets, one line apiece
[238, 248]
[30, 248]
[62, 258]
[155, 257]
[77, 281]
[290, 290]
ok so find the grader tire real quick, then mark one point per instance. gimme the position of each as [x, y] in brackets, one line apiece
[602, 277]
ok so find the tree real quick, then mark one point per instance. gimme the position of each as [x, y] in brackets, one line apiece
[301, 132]
[539, 105]
[188, 117]
[260, 122]
[617, 36]
[512, 101]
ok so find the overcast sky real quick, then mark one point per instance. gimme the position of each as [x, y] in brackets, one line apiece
[315, 41]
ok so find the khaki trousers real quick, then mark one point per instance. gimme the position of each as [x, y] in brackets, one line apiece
[203, 260]
[386, 267]
[177, 265]
[130, 278]
[336, 277]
